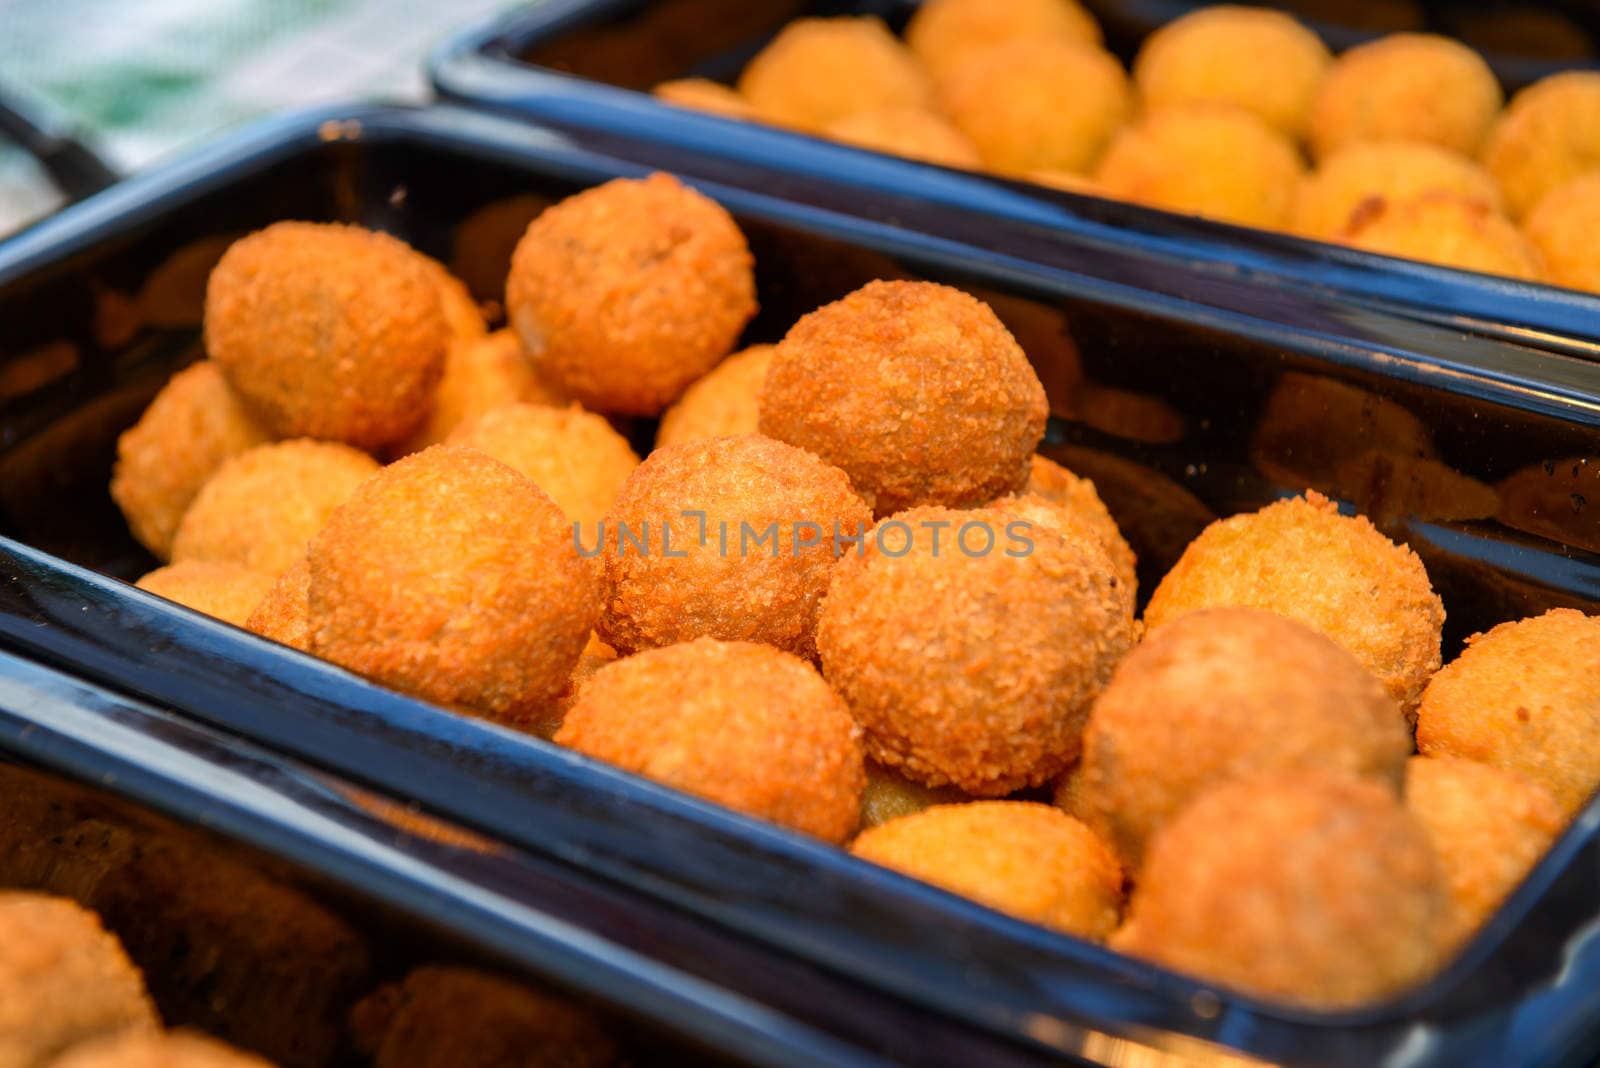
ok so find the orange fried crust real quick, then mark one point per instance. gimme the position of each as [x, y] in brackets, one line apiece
[818, 70]
[1561, 226]
[741, 724]
[913, 132]
[180, 1049]
[1078, 496]
[724, 403]
[943, 33]
[479, 376]
[1446, 229]
[284, 614]
[225, 591]
[1548, 136]
[1391, 172]
[702, 94]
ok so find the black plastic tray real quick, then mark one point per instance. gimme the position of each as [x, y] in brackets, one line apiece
[588, 64]
[875, 949]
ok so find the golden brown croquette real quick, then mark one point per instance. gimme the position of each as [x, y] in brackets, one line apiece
[723, 404]
[225, 591]
[1056, 484]
[943, 33]
[1447, 229]
[1561, 226]
[1392, 172]
[479, 376]
[703, 94]
[918, 133]
[284, 614]
[1547, 137]
[818, 70]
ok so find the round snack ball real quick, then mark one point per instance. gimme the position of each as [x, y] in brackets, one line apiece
[1390, 171]
[479, 376]
[328, 331]
[262, 507]
[1205, 159]
[723, 404]
[1449, 230]
[1489, 828]
[916, 390]
[1548, 136]
[703, 94]
[1224, 694]
[284, 613]
[179, 1049]
[463, 318]
[453, 577]
[1020, 857]
[1046, 514]
[626, 293]
[1413, 86]
[1038, 104]
[1524, 697]
[1309, 888]
[1561, 226]
[576, 457]
[970, 667]
[913, 132]
[225, 591]
[741, 724]
[63, 979]
[1056, 484]
[194, 424]
[944, 33]
[818, 70]
[728, 538]
[1253, 58]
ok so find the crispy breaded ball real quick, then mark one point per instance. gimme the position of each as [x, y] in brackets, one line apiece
[969, 661]
[916, 390]
[596, 655]
[1055, 483]
[1548, 136]
[453, 577]
[1300, 558]
[1253, 58]
[1307, 887]
[1489, 828]
[1390, 171]
[1205, 159]
[626, 293]
[1413, 86]
[284, 614]
[576, 457]
[1524, 697]
[479, 376]
[1020, 857]
[463, 318]
[328, 331]
[226, 591]
[443, 1017]
[262, 507]
[1224, 694]
[728, 538]
[818, 70]
[194, 424]
[63, 979]
[723, 404]
[179, 1049]
[1555, 500]
[741, 724]
[1562, 225]
[944, 33]
[703, 94]
[913, 132]
[1038, 104]
[1450, 230]
[1072, 523]
[890, 795]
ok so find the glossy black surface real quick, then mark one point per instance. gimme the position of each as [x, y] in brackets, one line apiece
[1184, 394]
[584, 65]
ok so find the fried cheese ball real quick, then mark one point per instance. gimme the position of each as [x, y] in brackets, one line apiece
[818, 70]
[436, 1014]
[742, 724]
[1449, 230]
[463, 318]
[1489, 828]
[1224, 694]
[1311, 888]
[703, 94]
[262, 507]
[1548, 136]
[576, 457]
[63, 979]
[284, 613]
[179, 1049]
[479, 376]
[453, 577]
[1020, 857]
[1300, 558]
[328, 331]
[729, 538]
[968, 667]
[913, 132]
[1412, 86]
[944, 33]
[626, 293]
[916, 390]
[1038, 104]
[1056, 484]
[193, 426]
[1524, 697]
[723, 404]
[1253, 58]
[1561, 226]
[1328, 199]
[1205, 159]
[223, 590]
